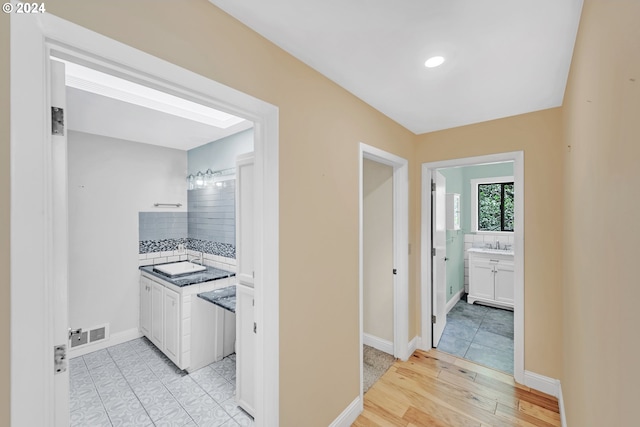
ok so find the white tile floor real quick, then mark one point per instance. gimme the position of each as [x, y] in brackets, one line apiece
[134, 384]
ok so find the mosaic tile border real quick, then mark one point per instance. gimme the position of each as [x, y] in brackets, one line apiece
[214, 248]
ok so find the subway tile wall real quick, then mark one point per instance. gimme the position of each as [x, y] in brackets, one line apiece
[212, 213]
[209, 226]
[162, 225]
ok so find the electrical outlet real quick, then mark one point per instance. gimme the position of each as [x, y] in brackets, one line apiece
[450, 289]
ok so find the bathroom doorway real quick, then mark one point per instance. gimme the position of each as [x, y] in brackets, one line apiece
[35, 304]
[486, 332]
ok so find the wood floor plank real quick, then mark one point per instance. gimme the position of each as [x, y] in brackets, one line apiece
[435, 389]
[439, 410]
[549, 402]
[446, 390]
[519, 418]
[467, 407]
[508, 399]
[492, 373]
[540, 412]
[420, 418]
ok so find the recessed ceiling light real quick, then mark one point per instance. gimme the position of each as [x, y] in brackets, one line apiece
[434, 61]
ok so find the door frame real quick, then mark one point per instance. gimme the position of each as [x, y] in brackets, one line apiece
[33, 39]
[400, 249]
[426, 285]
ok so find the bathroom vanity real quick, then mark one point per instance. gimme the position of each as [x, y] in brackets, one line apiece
[188, 330]
[491, 277]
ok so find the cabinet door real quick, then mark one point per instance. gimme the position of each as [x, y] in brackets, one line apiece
[157, 333]
[244, 214]
[481, 279]
[245, 347]
[145, 306]
[172, 325]
[504, 283]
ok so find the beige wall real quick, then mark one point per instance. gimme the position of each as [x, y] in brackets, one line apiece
[320, 127]
[378, 250]
[539, 135]
[4, 222]
[601, 227]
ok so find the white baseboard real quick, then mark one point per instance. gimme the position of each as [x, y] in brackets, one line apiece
[349, 415]
[563, 415]
[454, 299]
[414, 344]
[541, 383]
[379, 343]
[114, 339]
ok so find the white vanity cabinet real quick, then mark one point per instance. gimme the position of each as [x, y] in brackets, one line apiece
[166, 317]
[491, 278]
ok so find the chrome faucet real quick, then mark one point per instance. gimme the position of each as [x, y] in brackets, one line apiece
[200, 259]
[497, 244]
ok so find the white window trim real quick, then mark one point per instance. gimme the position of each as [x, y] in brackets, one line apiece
[474, 202]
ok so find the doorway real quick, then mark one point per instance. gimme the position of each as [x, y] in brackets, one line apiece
[383, 199]
[479, 321]
[35, 303]
[517, 244]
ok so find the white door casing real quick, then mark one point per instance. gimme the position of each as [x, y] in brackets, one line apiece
[400, 250]
[438, 260]
[33, 300]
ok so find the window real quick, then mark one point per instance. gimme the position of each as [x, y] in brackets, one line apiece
[492, 203]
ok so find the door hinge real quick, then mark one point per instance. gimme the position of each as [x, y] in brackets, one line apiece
[395, 271]
[433, 186]
[59, 358]
[433, 318]
[433, 251]
[255, 328]
[57, 121]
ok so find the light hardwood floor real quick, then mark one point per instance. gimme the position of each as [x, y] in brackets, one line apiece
[437, 389]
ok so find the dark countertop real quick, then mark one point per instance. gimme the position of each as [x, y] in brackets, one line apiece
[223, 297]
[211, 273]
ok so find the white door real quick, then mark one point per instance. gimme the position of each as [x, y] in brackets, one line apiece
[439, 233]
[60, 241]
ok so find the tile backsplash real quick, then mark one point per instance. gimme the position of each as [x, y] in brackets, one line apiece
[208, 226]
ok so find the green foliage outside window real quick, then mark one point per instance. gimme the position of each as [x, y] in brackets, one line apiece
[495, 207]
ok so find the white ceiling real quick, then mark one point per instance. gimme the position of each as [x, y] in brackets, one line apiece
[106, 116]
[503, 57]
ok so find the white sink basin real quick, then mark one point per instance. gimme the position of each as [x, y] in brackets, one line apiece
[179, 268]
[491, 251]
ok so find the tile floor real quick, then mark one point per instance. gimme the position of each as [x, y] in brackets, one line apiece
[481, 334]
[134, 384]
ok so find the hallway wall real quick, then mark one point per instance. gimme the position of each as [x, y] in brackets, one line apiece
[601, 232]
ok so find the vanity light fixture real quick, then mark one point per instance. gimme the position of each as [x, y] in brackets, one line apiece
[434, 61]
[199, 180]
[191, 182]
[208, 178]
